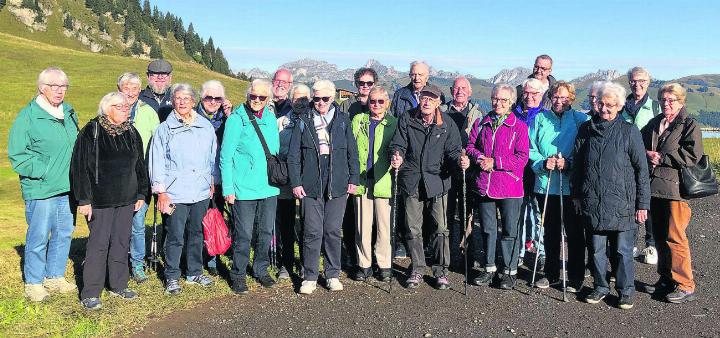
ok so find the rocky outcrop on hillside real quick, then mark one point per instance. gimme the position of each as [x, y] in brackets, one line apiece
[513, 76]
[600, 75]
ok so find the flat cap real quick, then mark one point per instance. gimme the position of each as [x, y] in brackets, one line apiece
[159, 66]
[432, 89]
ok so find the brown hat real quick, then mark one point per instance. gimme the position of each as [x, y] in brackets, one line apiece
[159, 66]
[432, 89]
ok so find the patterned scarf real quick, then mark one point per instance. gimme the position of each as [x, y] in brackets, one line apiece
[114, 129]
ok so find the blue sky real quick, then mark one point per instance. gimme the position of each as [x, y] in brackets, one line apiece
[670, 38]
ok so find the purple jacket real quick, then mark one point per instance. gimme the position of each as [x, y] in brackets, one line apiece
[508, 146]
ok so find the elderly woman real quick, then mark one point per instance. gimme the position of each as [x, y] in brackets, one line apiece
[145, 121]
[611, 191]
[215, 107]
[286, 212]
[109, 182]
[373, 133]
[365, 80]
[39, 149]
[246, 186]
[593, 92]
[498, 144]
[182, 173]
[673, 141]
[552, 138]
[323, 169]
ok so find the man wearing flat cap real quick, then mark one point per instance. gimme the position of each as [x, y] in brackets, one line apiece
[157, 93]
[425, 150]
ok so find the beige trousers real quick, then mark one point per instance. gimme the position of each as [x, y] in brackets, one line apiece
[367, 210]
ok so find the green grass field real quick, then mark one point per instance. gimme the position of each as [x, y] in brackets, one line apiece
[91, 76]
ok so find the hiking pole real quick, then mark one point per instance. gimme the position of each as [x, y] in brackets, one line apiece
[392, 228]
[153, 244]
[542, 221]
[465, 217]
[562, 235]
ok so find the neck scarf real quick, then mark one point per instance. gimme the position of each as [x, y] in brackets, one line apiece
[114, 129]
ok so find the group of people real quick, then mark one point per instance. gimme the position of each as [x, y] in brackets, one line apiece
[411, 161]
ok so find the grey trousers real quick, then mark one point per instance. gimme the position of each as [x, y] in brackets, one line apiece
[323, 221]
[440, 242]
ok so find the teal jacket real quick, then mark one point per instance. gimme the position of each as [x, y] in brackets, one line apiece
[243, 166]
[40, 148]
[549, 135]
[381, 168]
[650, 109]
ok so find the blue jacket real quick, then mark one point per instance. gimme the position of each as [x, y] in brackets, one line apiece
[182, 159]
[549, 135]
[403, 100]
[242, 159]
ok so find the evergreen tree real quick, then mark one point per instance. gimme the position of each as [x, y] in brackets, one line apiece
[126, 33]
[220, 65]
[208, 53]
[189, 41]
[179, 30]
[27, 4]
[156, 51]
[102, 24]
[136, 48]
[156, 17]
[2, 4]
[68, 22]
[146, 12]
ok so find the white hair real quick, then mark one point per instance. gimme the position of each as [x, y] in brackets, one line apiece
[419, 62]
[596, 85]
[300, 88]
[212, 84]
[323, 85]
[48, 74]
[261, 84]
[533, 83]
[637, 70]
[108, 100]
[613, 89]
[504, 86]
[129, 77]
[184, 88]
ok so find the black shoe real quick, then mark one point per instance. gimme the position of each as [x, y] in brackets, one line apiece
[212, 271]
[662, 287]
[266, 281]
[239, 287]
[362, 274]
[595, 297]
[507, 282]
[484, 278]
[625, 302]
[385, 275]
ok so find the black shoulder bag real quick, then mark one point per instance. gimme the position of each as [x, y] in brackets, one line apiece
[699, 180]
[277, 170]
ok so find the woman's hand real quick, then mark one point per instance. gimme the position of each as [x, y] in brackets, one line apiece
[641, 216]
[230, 199]
[486, 163]
[653, 156]
[85, 210]
[164, 202]
[299, 192]
[464, 162]
[139, 204]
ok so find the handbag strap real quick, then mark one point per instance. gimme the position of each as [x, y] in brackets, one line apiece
[253, 120]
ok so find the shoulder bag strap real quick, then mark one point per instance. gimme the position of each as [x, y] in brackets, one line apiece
[251, 116]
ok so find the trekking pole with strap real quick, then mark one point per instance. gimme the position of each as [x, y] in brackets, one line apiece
[542, 224]
[392, 226]
[562, 235]
[153, 243]
[465, 217]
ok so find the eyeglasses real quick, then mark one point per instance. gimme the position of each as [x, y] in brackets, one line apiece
[531, 93]
[559, 98]
[643, 81]
[592, 97]
[56, 87]
[253, 97]
[325, 99]
[121, 106]
[218, 99]
[380, 101]
[365, 83]
[669, 101]
[281, 82]
[158, 74]
[545, 69]
[184, 99]
[428, 97]
[497, 99]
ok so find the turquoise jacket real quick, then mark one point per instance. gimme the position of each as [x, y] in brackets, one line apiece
[549, 135]
[243, 166]
[650, 109]
[381, 168]
[40, 148]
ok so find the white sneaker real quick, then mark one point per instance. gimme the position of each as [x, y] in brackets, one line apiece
[308, 287]
[36, 292]
[651, 256]
[334, 284]
[636, 252]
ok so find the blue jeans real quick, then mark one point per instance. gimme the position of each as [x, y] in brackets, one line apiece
[529, 220]
[137, 237]
[246, 215]
[625, 283]
[509, 211]
[47, 242]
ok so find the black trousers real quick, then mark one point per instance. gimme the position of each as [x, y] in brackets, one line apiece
[183, 230]
[107, 250]
[286, 233]
[575, 240]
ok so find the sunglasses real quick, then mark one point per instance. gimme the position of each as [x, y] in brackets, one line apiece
[253, 97]
[365, 83]
[218, 99]
[380, 101]
[325, 99]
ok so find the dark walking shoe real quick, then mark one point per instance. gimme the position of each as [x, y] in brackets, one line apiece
[507, 281]
[172, 287]
[201, 280]
[484, 278]
[266, 281]
[680, 296]
[283, 274]
[595, 297]
[625, 302]
[662, 287]
[91, 303]
[574, 287]
[212, 271]
[361, 274]
[442, 283]
[124, 294]
[239, 287]
[385, 275]
[414, 281]
[138, 273]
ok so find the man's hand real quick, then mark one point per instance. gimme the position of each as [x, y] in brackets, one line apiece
[299, 192]
[641, 216]
[351, 188]
[396, 161]
[464, 161]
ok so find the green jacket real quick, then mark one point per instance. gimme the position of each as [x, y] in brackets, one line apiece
[381, 169]
[146, 121]
[650, 109]
[39, 148]
[242, 159]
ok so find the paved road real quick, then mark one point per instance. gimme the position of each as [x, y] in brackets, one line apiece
[367, 309]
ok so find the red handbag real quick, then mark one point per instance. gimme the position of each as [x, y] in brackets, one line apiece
[215, 231]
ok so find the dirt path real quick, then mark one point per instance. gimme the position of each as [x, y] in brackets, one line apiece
[367, 309]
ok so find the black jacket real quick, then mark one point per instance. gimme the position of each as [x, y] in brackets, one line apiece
[429, 153]
[108, 171]
[609, 177]
[163, 108]
[304, 157]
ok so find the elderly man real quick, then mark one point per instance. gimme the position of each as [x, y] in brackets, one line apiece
[430, 142]
[281, 83]
[542, 70]
[157, 93]
[365, 79]
[464, 113]
[408, 97]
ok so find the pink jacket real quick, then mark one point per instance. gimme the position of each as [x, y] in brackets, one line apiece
[508, 146]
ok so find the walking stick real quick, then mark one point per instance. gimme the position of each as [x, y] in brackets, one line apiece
[153, 244]
[392, 227]
[542, 221]
[562, 235]
[465, 216]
